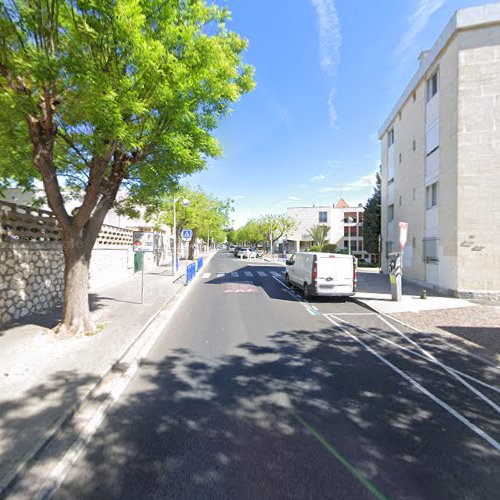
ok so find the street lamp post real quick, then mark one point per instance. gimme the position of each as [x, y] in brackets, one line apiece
[349, 221]
[185, 203]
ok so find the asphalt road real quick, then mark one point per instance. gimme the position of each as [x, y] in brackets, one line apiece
[253, 393]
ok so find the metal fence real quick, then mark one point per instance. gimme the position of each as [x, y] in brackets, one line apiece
[199, 264]
[190, 272]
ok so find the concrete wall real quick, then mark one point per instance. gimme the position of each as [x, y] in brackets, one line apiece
[478, 231]
[31, 274]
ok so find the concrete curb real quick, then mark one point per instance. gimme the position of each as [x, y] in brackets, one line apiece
[126, 357]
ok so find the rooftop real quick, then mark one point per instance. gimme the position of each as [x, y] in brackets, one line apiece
[463, 19]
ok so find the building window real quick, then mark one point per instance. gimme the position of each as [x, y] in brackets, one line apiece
[414, 96]
[399, 116]
[346, 244]
[432, 195]
[390, 213]
[390, 138]
[413, 242]
[400, 200]
[388, 247]
[400, 157]
[323, 216]
[430, 250]
[414, 145]
[432, 86]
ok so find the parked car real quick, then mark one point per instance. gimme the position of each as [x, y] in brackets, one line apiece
[246, 253]
[324, 274]
[231, 248]
[236, 250]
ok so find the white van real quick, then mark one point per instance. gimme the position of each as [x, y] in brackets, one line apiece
[325, 274]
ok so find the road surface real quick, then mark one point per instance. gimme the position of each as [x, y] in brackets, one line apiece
[253, 393]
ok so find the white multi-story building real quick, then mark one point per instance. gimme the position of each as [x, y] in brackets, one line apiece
[345, 223]
[441, 160]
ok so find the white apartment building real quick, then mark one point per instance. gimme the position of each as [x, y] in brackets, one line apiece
[441, 160]
[345, 223]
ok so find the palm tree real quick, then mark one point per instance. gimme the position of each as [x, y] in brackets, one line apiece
[319, 234]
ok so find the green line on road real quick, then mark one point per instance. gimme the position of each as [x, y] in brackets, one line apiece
[355, 472]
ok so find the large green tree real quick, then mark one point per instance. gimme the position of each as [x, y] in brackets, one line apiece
[371, 219]
[103, 95]
[264, 228]
[206, 215]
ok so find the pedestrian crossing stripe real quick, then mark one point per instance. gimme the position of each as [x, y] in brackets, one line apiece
[236, 274]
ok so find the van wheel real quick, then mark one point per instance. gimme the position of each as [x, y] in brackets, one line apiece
[307, 294]
[288, 283]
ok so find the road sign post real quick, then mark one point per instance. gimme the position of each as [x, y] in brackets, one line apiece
[143, 241]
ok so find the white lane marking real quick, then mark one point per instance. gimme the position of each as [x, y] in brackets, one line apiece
[411, 351]
[261, 273]
[234, 275]
[110, 392]
[450, 371]
[473, 427]
[274, 273]
[206, 275]
[355, 314]
[248, 273]
[220, 275]
[496, 367]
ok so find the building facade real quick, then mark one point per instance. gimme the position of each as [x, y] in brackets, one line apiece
[441, 161]
[345, 223]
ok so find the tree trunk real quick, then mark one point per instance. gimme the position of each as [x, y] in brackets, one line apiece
[76, 319]
[191, 246]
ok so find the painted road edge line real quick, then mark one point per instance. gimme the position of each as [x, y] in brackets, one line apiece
[473, 427]
[411, 351]
[114, 388]
[446, 368]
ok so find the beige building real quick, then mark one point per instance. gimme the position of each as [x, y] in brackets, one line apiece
[345, 223]
[441, 160]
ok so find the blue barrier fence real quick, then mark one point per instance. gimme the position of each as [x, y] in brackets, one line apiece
[200, 264]
[190, 272]
[177, 263]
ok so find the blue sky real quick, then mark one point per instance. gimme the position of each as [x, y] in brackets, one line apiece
[327, 72]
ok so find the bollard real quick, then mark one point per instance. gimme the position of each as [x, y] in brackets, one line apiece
[423, 294]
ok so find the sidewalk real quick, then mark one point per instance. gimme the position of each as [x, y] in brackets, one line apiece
[43, 379]
[471, 325]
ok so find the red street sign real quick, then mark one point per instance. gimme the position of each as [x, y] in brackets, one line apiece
[403, 234]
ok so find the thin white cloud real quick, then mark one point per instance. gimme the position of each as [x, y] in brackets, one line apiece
[367, 181]
[238, 197]
[327, 190]
[330, 41]
[293, 198]
[317, 178]
[417, 22]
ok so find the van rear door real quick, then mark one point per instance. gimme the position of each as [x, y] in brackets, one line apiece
[335, 274]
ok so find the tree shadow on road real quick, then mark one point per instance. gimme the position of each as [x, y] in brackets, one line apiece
[307, 415]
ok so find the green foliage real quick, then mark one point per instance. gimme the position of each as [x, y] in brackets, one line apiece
[371, 220]
[313, 248]
[261, 229]
[318, 234]
[329, 248]
[205, 215]
[139, 83]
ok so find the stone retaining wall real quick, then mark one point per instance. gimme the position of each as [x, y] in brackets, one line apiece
[31, 278]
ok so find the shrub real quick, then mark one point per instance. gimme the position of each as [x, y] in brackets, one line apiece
[313, 248]
[329, 248]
